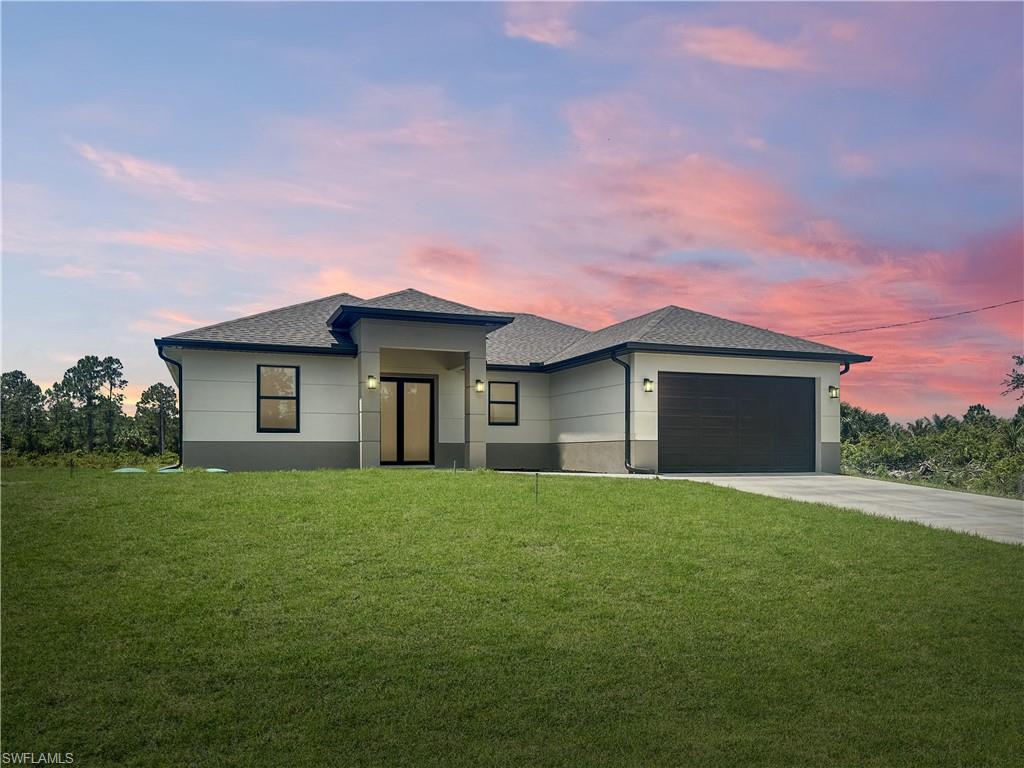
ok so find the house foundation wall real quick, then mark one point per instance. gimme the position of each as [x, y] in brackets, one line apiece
[604, 456]
[536, 456]
[448, 454]
[255, 456]
[830, 458]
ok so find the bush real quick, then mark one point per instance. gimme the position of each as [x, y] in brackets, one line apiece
[86, 460]
[980, 453]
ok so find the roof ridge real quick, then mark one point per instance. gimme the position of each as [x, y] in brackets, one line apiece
[577, 340]
[545, 319]
[588, 334]
[657, 318]
[755, 327]
[388, 295]
[418, 292]
[264, 312]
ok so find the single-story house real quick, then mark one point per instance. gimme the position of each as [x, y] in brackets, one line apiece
[409, 378]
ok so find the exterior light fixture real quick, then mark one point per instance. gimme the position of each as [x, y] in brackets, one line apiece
[648, 385]
[833, 392]
[479, 385]
[371, 382]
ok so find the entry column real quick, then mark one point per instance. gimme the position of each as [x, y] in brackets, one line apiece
[476, 411]
[369, 409]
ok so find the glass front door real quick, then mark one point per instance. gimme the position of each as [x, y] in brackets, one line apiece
[406, 421]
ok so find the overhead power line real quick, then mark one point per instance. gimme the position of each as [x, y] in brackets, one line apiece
[915, 322]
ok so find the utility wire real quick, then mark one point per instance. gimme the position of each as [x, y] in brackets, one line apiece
[915, 322]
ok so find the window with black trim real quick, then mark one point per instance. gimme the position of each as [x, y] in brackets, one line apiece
[503, 403]
[277, 398]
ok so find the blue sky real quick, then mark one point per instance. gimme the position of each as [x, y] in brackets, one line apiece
[807, 168]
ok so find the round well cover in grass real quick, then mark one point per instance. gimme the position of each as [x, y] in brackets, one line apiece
[129, 470]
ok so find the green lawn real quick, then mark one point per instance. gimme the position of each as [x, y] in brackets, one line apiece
[393, 618]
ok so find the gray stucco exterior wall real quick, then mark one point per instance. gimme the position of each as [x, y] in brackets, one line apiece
[830, 458]
[539, 456]
[240, 456]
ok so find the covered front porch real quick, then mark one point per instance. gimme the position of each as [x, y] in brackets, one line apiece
[422, 398]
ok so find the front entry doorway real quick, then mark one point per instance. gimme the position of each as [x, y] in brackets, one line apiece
[406, 420]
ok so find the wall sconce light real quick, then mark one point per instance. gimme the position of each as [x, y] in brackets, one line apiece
[648, 385]
[479, 385]
[833, 392]
[371, 382]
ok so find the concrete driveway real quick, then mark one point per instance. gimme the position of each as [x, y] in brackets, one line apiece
[988, 516]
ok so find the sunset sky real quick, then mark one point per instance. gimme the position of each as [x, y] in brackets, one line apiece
[806, 168]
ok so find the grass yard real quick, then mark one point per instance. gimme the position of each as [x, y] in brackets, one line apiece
[416, 618]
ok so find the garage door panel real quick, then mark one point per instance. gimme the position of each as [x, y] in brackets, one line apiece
[731, 423]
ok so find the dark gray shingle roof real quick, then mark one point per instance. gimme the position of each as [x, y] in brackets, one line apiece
[300, 325]
[530, 339]
[411, 300]
[612, 336]
[675, 326]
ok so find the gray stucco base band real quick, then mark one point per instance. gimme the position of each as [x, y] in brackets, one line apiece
[645, 455]
[540, 456]
[607, 456]
[830, 458]
[241, 456]
[446, 453]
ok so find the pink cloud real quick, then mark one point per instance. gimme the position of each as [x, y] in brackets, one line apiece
[917, 372]
[635, 167]
[432, 259]
[845, 31]
[416, 133]
[855, 164]
[945, 364]
[147, 174]
[698, 202]
[178, 317]
[327, 196]
[619, 127]
[166, 321]
[990, 270]
[71, 272]
[331, 280]
[740, 47]
[158, 240]
[86, 272]
[134, 170]
[544, 23]
[881, 49]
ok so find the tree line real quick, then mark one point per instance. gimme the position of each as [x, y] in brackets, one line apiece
[977, 452]
[84, 412]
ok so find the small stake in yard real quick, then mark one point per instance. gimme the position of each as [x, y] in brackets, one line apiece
[536, 487]
[71, 467]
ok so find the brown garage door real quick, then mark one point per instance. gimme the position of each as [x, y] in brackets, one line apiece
[716, 423]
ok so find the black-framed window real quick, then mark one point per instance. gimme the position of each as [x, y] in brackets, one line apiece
[277, 398]
[503, 403]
